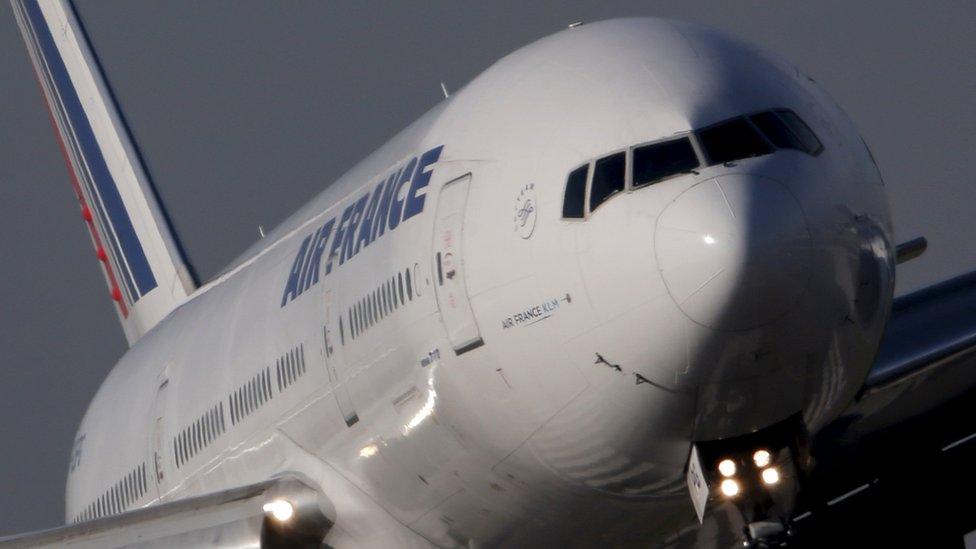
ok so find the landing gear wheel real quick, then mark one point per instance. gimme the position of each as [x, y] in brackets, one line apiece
[766, 533]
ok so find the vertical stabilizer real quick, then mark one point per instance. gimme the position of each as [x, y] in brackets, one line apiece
[142, 260]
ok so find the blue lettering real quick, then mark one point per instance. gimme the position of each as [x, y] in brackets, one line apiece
[383, 211]
[303, 280]
[291, 288]
[337, 241]
[366, 227]
[316, 261]
[350, 235]
[361, 223]
[396, 203]
[415, 202]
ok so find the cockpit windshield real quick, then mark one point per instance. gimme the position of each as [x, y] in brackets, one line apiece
[785, 130]
[608, 178]
[732, 140]
[574, 203]
[658, 161]
[643, 165]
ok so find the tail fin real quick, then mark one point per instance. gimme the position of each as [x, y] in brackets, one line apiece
[144, 265]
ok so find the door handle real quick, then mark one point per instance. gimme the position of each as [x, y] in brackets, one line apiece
[440, 271]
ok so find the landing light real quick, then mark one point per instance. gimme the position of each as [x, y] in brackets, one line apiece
[770, 476]
[729, 487]
[761, 458]
[726, 467]
[280, 509]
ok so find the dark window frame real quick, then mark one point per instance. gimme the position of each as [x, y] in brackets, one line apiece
[820, 146]
[695, 146]
[586, 191]
[709, 162]
[701, 153]
[592, 173]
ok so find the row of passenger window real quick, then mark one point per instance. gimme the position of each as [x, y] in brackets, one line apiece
[733, 139]
[291, 366]
[203, 431]
[377, 304]
[119, 498]
[250, 396]
[199, 434]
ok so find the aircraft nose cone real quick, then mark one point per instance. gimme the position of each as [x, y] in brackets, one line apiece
[734, 251]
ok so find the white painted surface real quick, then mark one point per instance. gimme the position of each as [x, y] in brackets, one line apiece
[530, 437]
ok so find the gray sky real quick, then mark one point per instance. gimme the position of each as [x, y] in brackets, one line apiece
[245, 110]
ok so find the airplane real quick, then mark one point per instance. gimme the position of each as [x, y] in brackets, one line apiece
[616, 285]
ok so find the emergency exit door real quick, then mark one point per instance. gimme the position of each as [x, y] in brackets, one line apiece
[449, 286]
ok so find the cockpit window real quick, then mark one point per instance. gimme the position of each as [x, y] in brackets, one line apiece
[776, 131]
[787, 131]
[658, 161]
[574, 202]
[810, 142]
[745, 136]
[732, 140]
[608, 178]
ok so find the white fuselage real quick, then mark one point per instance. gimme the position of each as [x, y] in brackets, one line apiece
[721, 302]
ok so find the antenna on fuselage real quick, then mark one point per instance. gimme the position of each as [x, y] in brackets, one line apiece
[574, 24]
[444, 89]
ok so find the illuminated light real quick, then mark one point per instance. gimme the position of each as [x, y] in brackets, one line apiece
[102, 256]
[368, 451]
[770, 476]
[86, 213]
[730, 488]
[726, 467]
[709, 239]
[116, 294]
[280, 509]
[761, 458]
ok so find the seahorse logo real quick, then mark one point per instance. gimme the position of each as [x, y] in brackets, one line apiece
[525, 211]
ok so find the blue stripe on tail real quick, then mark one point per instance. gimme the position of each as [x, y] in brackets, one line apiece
[121, 234]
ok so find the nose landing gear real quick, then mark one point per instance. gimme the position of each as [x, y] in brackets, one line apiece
[760, 474]
[766, 533]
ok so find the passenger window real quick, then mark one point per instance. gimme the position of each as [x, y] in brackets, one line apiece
[732, 140]
[806, 136]
[575, 200]
[655, 162]
[608, 178]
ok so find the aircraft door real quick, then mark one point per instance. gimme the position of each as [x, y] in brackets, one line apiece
[449, 286]
[334, 333]
[158, 446]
